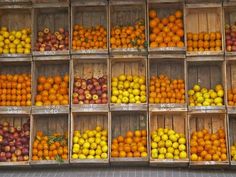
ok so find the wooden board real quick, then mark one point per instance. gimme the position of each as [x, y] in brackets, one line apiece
[174, 69]
[16, 19]
[207, 74]
[49, 124]
[15, 67]
[89, 121]
[212, 122]
[50, 1]
[89, 16]
[123, 15]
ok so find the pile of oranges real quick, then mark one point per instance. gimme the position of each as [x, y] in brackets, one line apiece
[232, 97]
[50, 147]
[164, 90]
[52, 91]
[128, 36]
[205, 146]
[89, 38]
[204, 41]
[15, 90]
[134, 144]
[166, 32]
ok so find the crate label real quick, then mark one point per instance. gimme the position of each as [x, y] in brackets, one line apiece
[14, 110]
[52, 110]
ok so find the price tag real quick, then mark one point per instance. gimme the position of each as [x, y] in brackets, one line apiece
[52, 110]
[12, 110]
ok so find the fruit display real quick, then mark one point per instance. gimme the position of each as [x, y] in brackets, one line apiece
[90, 91]
[14, 142]
[50, 147]
[167, 144]
[52, 41]
[52, 91]
[233, 152]
[230, 37]
[231, 96]
[128, 89]
[15, 90]
[91, 144]
[128, 36]
[205, 146]
[89, 38]
[164, 90]
[204, 41]
[167, 31]
[203, 97]
[15, 41]
[134, 144]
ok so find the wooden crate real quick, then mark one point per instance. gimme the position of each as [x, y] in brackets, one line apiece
[49, 124]
[212, 122]
[90, 14]
[135, 65]
[164, 8]
[53, 18]
[231, 135]
[15, 1]
[16, 18]
[176, 121]
[17, 121]
[13, 67]
[123, 13]
[49, 68]
[87, 67]
[229, 19]
[121, 122]
[230, 83]
[204, 18]
[207, 74]
[174, 68]
[88, 121]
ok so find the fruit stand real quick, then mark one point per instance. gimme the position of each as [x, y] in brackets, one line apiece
[123, 83]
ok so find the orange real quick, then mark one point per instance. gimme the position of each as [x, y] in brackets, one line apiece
[122, 154]
[165, 21]
[137, 154]
[129, 134]
[152, 13]
[114, 153]
[178, 14]
[42, 80]
[153, 23]
[120, 139]
[137, 133]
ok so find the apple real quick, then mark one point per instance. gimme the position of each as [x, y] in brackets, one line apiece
[75, 95]
[88, 96]
[95, 97]
[81, 97]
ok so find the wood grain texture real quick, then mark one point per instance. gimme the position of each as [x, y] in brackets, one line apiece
[207, 74]
[15, 67]
[123, 15]
[123, 122]
[15, 19]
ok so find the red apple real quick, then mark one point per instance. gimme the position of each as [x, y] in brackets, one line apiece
[88, 96]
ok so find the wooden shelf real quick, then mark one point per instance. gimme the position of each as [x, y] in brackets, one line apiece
[86, 52]
[170, 107]
[169, 163]
[50, 109]
[15, 164]
[128, 107]
[129, 161]
[206, 109]
[49, 53]
[89, 108]
[50, 58]
[15, 109]
[90, 162]
[48, 162]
